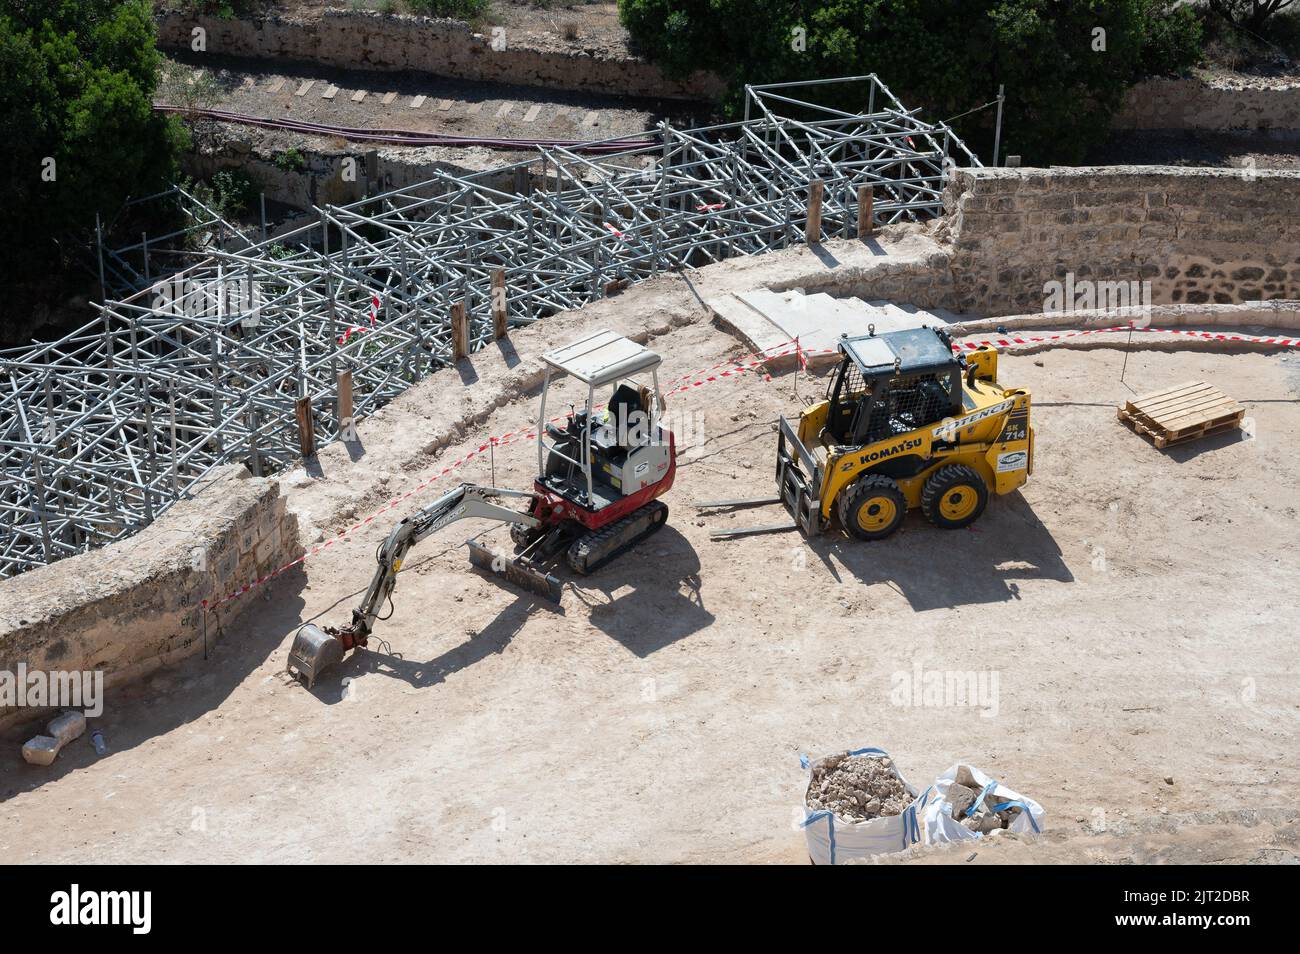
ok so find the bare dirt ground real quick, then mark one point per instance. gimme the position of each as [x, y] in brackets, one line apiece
[538, 24]
[1137, 607]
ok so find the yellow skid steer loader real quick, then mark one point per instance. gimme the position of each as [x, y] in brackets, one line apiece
[905, 423]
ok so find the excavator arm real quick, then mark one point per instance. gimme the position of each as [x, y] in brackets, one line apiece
[315, 649]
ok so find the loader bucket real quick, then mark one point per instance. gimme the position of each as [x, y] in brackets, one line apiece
[313, 651]
[518, 572]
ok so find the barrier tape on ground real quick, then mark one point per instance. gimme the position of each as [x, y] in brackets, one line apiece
[701, 377]
[729, 368]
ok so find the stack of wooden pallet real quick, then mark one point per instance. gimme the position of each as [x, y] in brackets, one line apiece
[1181, 413]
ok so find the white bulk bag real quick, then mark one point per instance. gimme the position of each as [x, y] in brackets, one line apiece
[832, 840]
[934, 812]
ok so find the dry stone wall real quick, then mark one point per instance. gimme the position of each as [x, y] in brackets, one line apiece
[132, 606]
[1194, 104]
[375, 41]
[1197, 235]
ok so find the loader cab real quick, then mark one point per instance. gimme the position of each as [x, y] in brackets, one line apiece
[889, 384]
[599, 455]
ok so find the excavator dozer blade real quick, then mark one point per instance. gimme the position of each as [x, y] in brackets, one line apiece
[313, 651]
[516, 571]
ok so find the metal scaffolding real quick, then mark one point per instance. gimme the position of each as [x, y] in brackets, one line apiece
[244, 356]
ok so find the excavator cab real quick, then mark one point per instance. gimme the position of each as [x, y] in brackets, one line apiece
[601, 457]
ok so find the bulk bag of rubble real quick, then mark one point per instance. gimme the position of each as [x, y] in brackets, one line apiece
[964, 804]
[856, 804]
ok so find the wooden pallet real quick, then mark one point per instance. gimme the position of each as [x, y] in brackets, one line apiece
[1182, 413]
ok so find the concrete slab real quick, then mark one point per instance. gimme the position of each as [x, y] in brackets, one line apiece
[302, 90]
[444, 105]
[330, 92]
[503, 110]
[417, 102]
[766, 320]
[277, 85]
[358, 96]
[474, 108]
[388, 99]
[533, 110]
[750, 326]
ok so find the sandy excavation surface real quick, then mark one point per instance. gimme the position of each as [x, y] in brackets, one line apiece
[1137, 609]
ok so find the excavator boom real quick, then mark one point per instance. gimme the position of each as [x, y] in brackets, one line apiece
[316, 649]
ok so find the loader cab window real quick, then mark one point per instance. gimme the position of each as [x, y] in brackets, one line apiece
[845, 392]
[866, 409]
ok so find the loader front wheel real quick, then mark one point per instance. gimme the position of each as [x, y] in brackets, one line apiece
[954, 497]
[872, 508]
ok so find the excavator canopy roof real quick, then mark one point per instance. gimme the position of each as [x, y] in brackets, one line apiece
[602, 358]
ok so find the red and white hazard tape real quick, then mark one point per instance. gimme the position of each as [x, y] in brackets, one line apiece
[730, 368]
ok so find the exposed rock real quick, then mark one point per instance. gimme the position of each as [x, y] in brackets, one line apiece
[857, 787]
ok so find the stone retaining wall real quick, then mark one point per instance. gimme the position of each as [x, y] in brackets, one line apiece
[1193, 104]
[374, 41]
[135, 605]
[1198, 235]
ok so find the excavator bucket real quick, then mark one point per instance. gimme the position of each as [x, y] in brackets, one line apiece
[313, 651]
[517, 571]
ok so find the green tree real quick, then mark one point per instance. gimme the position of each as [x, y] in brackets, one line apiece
[77, 122]
[1065, 65]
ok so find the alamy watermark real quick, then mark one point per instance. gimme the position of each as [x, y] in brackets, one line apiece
[130, 908]
[184, 297]
[1128, 299]
[60, 689]
[953, 688]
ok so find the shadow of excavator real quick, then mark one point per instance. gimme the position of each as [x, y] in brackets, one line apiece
[648, 598]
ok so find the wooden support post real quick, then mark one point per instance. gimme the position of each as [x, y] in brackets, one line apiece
[254, 442]
[345, 406]
[306, 426]
[499, 303]
[459, 332]
[866, 199]
[813, 232]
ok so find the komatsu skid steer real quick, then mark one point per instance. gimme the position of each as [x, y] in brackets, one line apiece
[905, 424]
[600, 472]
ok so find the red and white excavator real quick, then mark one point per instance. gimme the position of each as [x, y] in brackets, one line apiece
[600, 473]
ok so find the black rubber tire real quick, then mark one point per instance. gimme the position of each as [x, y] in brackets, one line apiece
[858, 495]
[945, 480]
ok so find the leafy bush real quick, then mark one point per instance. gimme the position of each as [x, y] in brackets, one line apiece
[291, 160]
[944, 57]
[77, 122]
[1251, 14]
[235, 192]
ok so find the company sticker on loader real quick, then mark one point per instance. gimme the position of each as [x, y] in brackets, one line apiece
[1013, 460]
[949, 428]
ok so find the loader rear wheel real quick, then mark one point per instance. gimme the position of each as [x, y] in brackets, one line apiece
[954, 496]
[872, 508]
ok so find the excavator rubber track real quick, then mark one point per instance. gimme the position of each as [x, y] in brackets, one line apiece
[593, 550]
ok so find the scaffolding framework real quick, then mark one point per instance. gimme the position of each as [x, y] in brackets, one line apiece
[220, 362]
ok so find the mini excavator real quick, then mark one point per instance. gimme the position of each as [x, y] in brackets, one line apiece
[600, 474]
